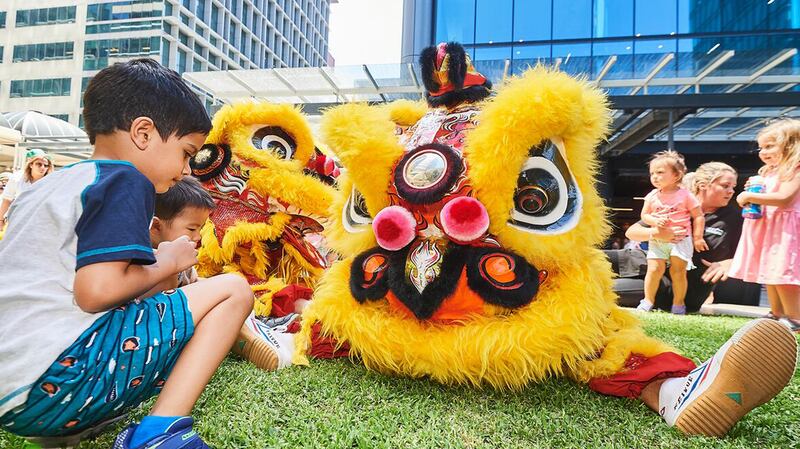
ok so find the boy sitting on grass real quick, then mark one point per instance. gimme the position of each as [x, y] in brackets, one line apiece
[76, 348]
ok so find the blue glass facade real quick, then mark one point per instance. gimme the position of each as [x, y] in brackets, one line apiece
[580, 35]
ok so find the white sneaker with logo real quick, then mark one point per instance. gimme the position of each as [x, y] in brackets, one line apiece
[753, 366]
[267, 348]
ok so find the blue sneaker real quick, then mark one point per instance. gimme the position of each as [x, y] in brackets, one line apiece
[179, 436]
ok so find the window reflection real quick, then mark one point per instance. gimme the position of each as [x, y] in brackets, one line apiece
[649, 53]
[575, 59]
[622, 68]
[656, 17]
[493, 20]
[695, 54]
[783, 41]
[784, 14]
[744, 15]
[572, 19]
[613, 18]
[491, 62]
[699, 16]
[532, 20]
[528, 56]
[455, 20]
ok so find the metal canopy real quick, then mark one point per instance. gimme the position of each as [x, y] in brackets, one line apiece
[724, 98]
[43, 131]
[36, 130]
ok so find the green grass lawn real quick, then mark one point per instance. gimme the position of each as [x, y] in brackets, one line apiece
[340, 404]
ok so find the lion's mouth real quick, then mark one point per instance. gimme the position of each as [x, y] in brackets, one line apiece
[439, 281]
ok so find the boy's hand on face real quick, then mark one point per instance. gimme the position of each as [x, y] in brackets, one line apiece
[182, 252]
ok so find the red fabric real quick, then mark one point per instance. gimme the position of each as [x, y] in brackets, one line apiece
[322, 347]
[283, 301]
[326, 347]
[640, 371]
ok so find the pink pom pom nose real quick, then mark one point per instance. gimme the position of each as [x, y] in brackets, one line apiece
[464, 219]
[394, 228]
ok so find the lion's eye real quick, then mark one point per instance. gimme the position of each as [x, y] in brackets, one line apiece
[547, 200]
[355, 217]
[276, 140]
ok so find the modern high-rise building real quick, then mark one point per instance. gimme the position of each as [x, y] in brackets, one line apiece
[49, 49]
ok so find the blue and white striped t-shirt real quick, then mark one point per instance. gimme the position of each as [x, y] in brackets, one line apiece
[89, 212]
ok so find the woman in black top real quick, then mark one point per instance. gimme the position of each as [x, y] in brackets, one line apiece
[713, 183]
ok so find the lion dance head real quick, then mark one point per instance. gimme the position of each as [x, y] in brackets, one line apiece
[470, 240]
[272, 188]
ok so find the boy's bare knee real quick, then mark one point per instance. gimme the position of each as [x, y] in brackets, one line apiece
[240, 291]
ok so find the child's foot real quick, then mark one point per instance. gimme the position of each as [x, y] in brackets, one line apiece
[793, 325]
[753, 366]
[266, 348]
[645, 306]
[771, 316]
[178, 436]
[678, 310]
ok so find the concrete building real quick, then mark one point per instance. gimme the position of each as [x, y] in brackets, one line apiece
[50, 49]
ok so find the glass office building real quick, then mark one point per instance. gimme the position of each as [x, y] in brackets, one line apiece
[50, 49]
[700, 75]
[580, 35]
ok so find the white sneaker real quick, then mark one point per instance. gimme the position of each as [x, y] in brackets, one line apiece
[268, 349]
[753, 366]
[645, 306]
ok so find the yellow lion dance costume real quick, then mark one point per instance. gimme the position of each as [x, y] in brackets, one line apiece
[272, 188]
[260, 165]
[470, 250]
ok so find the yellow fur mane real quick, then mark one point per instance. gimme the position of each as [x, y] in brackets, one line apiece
[573, 327]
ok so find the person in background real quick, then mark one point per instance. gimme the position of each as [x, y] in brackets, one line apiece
[670, 205]
[4, 177]
[769, 250]
[37, 165]
[713, 184]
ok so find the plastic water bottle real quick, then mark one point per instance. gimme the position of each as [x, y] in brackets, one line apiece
[750, 210]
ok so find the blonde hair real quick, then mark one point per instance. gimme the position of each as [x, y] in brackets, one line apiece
[673, 159]
[706, 174]
[786, 133]
[28, 176]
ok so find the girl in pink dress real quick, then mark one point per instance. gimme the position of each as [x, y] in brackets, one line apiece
[769, 249]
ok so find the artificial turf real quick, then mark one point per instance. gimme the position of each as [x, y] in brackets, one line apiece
[339, 404]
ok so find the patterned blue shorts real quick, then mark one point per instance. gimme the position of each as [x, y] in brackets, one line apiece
[122, 360]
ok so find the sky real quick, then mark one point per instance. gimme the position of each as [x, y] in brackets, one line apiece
[366, 31]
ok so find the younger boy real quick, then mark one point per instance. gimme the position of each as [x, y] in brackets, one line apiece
[180, 211]
[76, 348]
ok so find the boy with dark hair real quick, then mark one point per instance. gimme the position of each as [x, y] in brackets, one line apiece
[76, 348]
[181, 211]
